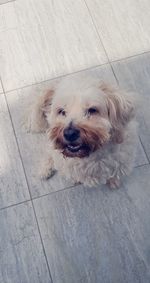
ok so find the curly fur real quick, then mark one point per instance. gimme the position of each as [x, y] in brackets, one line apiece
[109, 136]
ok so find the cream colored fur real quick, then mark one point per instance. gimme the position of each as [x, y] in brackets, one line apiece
[108, 163]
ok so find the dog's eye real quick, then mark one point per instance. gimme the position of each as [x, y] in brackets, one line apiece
[92, 111]
[61, 111]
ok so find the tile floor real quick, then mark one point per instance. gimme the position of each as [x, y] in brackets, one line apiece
[52, 232]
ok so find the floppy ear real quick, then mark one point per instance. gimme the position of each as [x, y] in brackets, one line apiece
[37, 115]
[120, 110]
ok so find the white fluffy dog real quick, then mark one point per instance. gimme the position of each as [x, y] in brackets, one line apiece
[91, 131]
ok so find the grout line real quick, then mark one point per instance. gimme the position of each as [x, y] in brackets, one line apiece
[94, 24]
[38, 197]
[144, 150]
[57, 77]
[142, 165]
[7, 2]
[112, 68]
[28, 189]
[130, 57]
[148, 160]
[61, 190]
[2, 85]
[76, 187]
[42, 243]
[109, 60]
[114, 74]
[15, 204]
[35, 198]
[96, 29]
[109, 63]
[56, 192]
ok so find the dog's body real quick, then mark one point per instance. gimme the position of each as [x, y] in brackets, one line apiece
[91, 130]
[113, 161]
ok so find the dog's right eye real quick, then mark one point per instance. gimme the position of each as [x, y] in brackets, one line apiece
[92, 111]
[61, 111]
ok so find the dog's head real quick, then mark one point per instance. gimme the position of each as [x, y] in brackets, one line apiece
[84, 116]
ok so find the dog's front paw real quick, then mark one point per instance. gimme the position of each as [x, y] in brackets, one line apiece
[113, 182]
[48, 170]
[77, 183]
[47, 173]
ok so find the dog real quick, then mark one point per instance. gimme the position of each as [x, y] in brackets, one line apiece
[91, 129]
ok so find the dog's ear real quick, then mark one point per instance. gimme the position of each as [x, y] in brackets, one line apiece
[36, 120]
[45, 102]
[42, 109]
[121, 108]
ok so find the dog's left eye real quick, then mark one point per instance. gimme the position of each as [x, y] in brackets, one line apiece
[92, 111]
[61, 112]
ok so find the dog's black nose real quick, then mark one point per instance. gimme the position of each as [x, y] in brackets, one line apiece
[71, 134]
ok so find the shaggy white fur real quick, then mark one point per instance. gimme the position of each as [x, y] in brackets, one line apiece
[114, 160]
[105, 116]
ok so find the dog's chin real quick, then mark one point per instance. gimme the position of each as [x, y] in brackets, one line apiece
[89, 141]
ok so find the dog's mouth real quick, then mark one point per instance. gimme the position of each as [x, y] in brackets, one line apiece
[76, 150]
[73, 147]
[90, 140]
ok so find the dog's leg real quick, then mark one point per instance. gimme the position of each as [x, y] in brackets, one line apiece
[124, 168]
[125, 156]
[47, 171]
[114, 182]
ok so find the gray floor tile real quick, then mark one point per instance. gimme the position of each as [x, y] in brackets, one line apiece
[33, 146]
[45, 40]
[13, 187]
[134, 74]
[98, 235]
[141, 158]
[124, 27]
[21, 254]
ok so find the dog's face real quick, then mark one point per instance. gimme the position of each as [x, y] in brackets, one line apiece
[80, 119]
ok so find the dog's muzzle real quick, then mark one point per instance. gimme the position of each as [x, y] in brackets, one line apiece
[71, 136]
[78, 141]
[73, 144]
